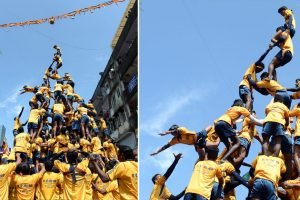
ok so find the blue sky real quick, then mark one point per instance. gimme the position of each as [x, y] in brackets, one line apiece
[26, 51]
[193, 55]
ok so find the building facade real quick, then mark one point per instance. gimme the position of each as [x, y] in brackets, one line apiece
[2, 134]
[115, 97]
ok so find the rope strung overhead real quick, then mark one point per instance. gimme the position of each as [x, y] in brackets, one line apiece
[51, 20]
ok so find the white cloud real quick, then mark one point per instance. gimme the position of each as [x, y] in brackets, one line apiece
[10, 99]
[168, 108]
[14, 110]
[163, 160]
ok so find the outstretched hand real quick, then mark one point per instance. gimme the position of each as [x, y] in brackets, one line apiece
[153, 154]
[178, 156]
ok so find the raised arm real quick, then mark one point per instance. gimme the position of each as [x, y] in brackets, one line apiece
[103, 176]
[172, 167]
[262, 57]
[25, 123]
[293, 89]
[20, 114]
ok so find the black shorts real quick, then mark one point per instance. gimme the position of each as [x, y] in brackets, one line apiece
[287, 57]
[201, 139]
[224, 131]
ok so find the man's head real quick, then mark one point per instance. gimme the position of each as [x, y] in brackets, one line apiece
[72, 156]
[155, 177]
[212, 153]
[125, 153]
[282, 9]
[259, 67]
[110, 164]
[174, 127]
[49, 165]
[297, 82]
[278, 98]
[23, 168]
[264, 75]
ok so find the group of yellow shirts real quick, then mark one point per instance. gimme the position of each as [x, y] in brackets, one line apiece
[55, 186]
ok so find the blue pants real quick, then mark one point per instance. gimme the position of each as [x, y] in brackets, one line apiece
[192, 196]
[263, 189]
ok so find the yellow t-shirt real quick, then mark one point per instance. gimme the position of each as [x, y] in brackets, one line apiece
[17, 123]
[248, 130]
[55, 76]
[61, 143]
[286, 14]
[250, 71]
[127, 175]
[43, 90]
[48, 185]
[96, 145]
[58, 87]
[202, 179]
[5, 171]
[102, 124]
[296, 113]
[113, 189]
[271, 86]
[58, 108]
[73, 191]
[82, 110]
[212, 135]
[110, 187]
[85, 144]
[185, 136]
[51, 144]
[269, 168]
[111, 152]
[88, 184]
[276, 112]
[77, 98]
[25, 185]
[69, 89]
[35, 114]
[22, 141]
[156, 193]
[287, 45]
[227, 169]
[233, 113]
[93, 123]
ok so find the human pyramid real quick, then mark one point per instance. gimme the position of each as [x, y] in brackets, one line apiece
[65, 154]
[275, 172]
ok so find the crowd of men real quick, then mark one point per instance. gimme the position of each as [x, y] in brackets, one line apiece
[67, 152]
[275, 172]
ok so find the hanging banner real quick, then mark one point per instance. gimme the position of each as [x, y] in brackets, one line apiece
[51, 20]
